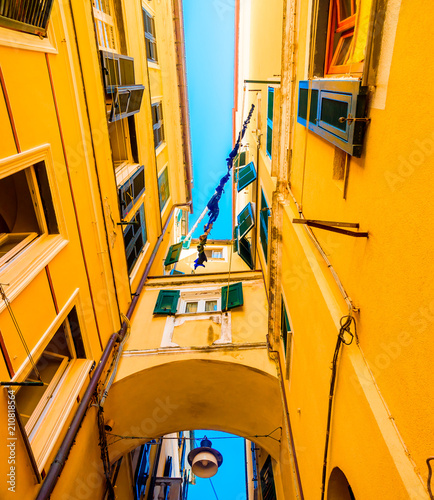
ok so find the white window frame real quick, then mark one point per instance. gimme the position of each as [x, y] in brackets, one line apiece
[200, 305]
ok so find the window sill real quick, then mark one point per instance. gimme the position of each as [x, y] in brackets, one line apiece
[153, 64]
[23, 268]
[160, 148]
[26, 41]
[53, 420]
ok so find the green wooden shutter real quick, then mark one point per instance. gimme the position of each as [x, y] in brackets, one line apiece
[245, 220]
[235, 296]
[246, 176]
[245, 252]
[173, 254]
[285, 327]
[242, 158]
[235, 244]
[167, 302]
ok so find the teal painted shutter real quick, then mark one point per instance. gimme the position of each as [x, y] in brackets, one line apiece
[235, 298]
[235, 244]
[246, 176]
[242, 159]
[167, 302]
[173, 254]
[245, 220]
[245, 252]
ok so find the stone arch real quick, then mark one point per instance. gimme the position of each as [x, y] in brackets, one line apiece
[195, 394]
[339, 488]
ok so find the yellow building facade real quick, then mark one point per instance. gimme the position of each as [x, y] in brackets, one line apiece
[333, 239]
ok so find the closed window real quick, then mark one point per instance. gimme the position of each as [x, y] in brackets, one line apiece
[132, 190]
[163, 188]
[104, 24]
[30, 17]
[157, 122]
[26, 210]
[63, 348]
[150, 38]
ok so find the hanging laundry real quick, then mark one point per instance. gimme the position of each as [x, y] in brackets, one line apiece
[213, 204]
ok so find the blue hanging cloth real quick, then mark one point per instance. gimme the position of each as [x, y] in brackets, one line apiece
[213, 204]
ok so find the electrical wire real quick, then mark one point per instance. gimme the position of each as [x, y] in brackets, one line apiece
[212, 486]
[162, 438]
[345, 329]
[17, 327]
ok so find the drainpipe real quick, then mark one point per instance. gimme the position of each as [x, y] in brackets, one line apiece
[65, 448]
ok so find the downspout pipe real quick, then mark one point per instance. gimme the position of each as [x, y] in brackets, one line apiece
[65, 448]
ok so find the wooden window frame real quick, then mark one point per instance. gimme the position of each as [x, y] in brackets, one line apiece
[150, 37]
[140, 231]
[158, 125]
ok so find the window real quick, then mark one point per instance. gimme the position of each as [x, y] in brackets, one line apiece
[344, 31]
[267, 481]
[104, 24]
[245, 252]
[26, 210]
[157, 121]
[163, 188]
[31, 17]
[214, 253]
[191, 307]
[340, 36]
[150, 39]
[333, 106]
[270, 111]
[135, 237]
[234, 298]
[142, 470]
[285, 330]
[173, 254]
[263, 227]
[65, 346]
[245, 220]
[167, 302]
[123, 141]
[246, 176]
[131, 191]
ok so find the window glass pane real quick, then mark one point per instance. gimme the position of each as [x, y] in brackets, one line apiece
[270, 104]
[210, 305]
[269, 139]
[191, 307]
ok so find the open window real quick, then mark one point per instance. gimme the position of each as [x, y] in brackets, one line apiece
[26, 210]
[337, 109]
[131, 190]
[246, 175]
[246, 220]
[64, 347]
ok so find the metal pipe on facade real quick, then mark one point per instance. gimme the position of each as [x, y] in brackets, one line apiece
[289, 433]
[65, 448]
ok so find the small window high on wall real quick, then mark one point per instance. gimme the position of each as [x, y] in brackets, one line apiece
[150, 37]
